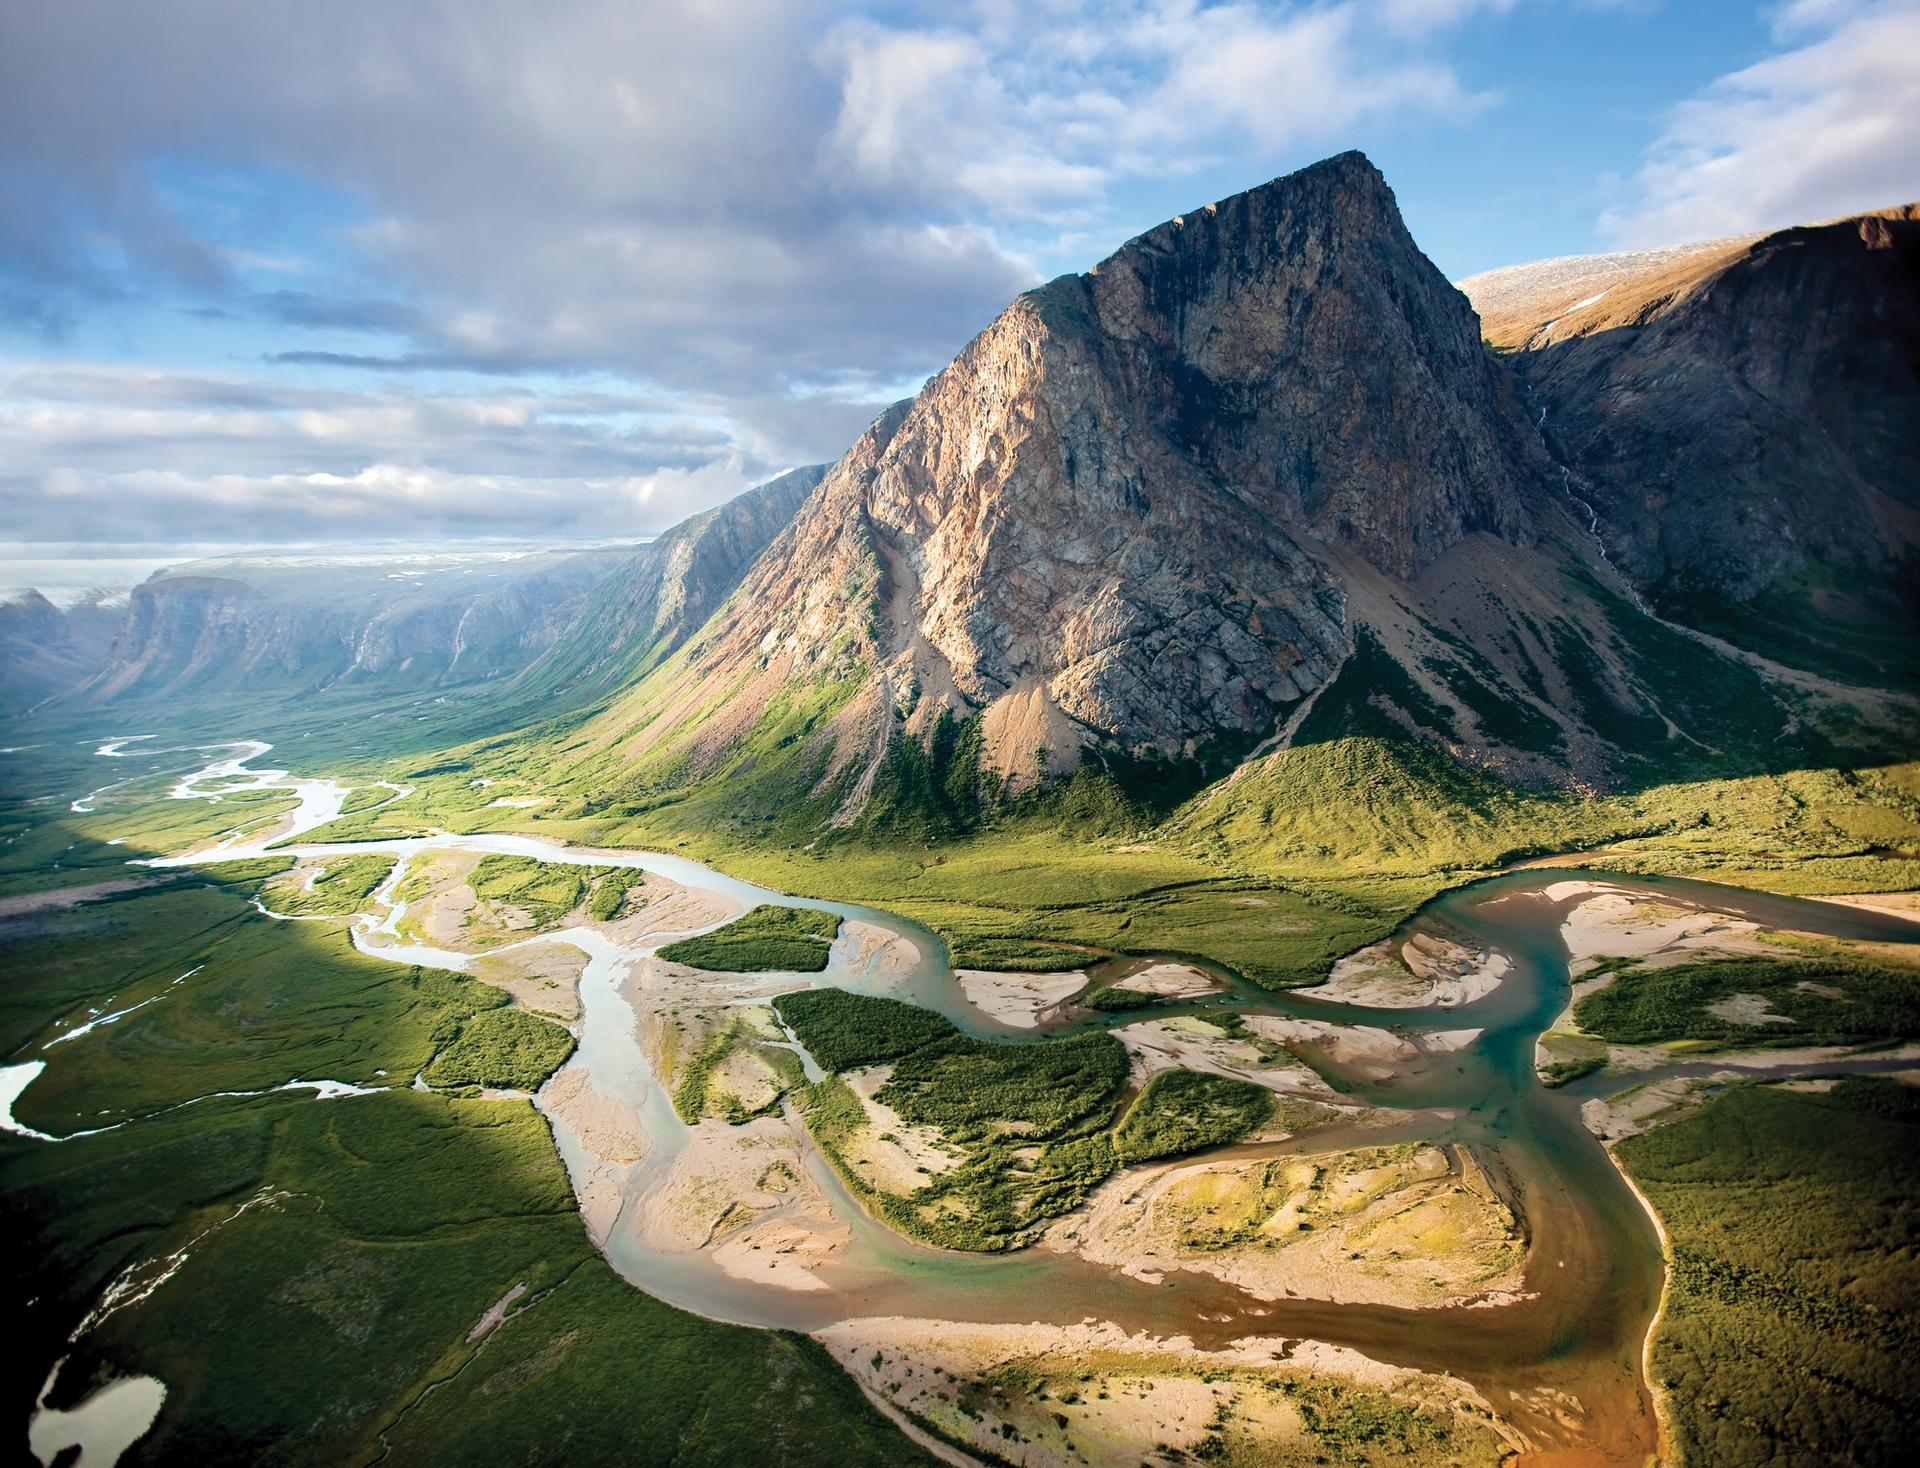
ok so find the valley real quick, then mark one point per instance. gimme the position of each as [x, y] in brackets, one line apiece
[1391, 1208]
[1289, 863]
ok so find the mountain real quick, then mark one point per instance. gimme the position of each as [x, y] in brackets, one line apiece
[293, 625]
[1254, 486]
[1742, 419]
[47, 648]
[663, 591]
[1123, 515]
[1543, 301]
[529, 632]
[1254, 479]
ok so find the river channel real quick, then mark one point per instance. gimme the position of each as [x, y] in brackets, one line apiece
[1565, 1363]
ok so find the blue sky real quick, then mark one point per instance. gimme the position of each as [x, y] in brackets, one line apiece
[274, 271]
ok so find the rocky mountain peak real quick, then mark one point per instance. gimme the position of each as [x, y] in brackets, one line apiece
[1119, 514]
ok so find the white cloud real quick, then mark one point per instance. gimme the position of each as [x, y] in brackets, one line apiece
[1283, 79]
[380, 501]
[1418, 17]
[764, 216]
[1821, 129]
[1039, 111]
[99, 453]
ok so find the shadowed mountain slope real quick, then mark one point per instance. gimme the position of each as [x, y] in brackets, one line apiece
[518, 635]
[663, 591]
[46, 649]
[1743, 421]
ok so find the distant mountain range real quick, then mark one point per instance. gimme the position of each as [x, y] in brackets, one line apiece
[1262, 476]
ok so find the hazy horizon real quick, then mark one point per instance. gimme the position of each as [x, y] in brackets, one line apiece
[30, 566]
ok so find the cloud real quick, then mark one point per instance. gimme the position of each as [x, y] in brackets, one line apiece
[703, 195]
[1280, 80]
[1822, 128]
[1040, 111]
[379, 503]
[98, 453]
[760, 218]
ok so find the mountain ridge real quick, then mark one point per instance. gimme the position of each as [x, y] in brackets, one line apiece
[1119, 518]
[1742, 428]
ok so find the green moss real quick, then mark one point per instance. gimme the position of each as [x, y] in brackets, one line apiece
[1355, 1425]
[695, 1097]
[1843, 622]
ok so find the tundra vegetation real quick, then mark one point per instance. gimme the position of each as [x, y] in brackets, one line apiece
[842, 1030]
[1186, 1110]
[546, 891]
[505, 1049]
[734, 1074]
[1816, 994]
[762, 940]
[1024, 1130]
[372, 1235]
[1274, 884]
[1790, 1330]
[337, 887]
[518, 895]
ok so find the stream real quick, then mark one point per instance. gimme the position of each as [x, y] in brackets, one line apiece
[1564, 1363]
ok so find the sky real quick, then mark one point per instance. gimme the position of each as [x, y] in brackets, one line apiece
[477, 269]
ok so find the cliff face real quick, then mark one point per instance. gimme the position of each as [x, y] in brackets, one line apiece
[264, 629]
[47, 649]
[1750, 413]
[526, 626]
[662, 592]
[1121, 513]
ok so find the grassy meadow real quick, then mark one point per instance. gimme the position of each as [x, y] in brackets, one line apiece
[419, 1254]
[1303, 856]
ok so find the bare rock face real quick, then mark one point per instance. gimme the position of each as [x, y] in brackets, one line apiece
[1750, 413]
[1121, 513]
